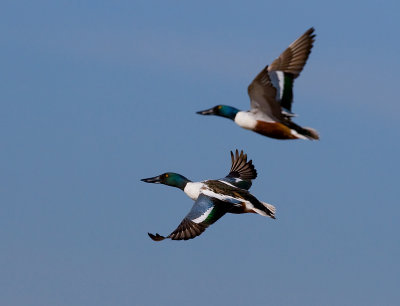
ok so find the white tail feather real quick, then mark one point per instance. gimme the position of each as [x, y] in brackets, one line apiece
[313, 133]
[270, 207]
[260, 212]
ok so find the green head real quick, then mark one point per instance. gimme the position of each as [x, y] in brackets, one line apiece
[170, 179]
[221, 110]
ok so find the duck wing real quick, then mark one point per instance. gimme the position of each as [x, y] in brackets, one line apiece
[263, 95]
[242, 171]
[205, 211]
[273, 86]
[288, 66]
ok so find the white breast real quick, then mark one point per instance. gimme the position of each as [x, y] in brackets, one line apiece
[246, 120]
[192, 189]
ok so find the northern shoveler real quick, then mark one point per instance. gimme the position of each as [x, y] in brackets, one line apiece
[214, 198]
[271, 96]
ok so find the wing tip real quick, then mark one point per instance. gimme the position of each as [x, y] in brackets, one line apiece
[156, 237]
[311, 33]
[310, 30]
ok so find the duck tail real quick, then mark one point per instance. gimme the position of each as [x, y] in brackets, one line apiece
[269, 209]
[310, 133]
[304, 133]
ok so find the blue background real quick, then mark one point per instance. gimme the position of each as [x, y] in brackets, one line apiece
[96, 95]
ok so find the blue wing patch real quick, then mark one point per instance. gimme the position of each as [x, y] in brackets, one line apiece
[205, 211]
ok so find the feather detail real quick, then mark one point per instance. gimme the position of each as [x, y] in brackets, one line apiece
[241, 168]
[293, 59]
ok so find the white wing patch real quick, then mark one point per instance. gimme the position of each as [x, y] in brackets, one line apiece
[221, 197]
[226, 183]
[277, 79]
[218, 196]
[203, 216]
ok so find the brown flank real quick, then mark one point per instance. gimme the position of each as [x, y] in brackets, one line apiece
[274, 130]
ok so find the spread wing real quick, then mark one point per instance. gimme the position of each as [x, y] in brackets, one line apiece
[273, 86]
[205, 211]
[242, 171]
[289, 65]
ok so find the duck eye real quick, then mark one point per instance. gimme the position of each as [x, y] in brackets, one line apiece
[219, 106]
[166, 175]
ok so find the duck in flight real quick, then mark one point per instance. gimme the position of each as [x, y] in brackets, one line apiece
[271, 96]
[215, 198]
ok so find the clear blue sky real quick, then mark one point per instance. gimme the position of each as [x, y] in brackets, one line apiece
[96, 95]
